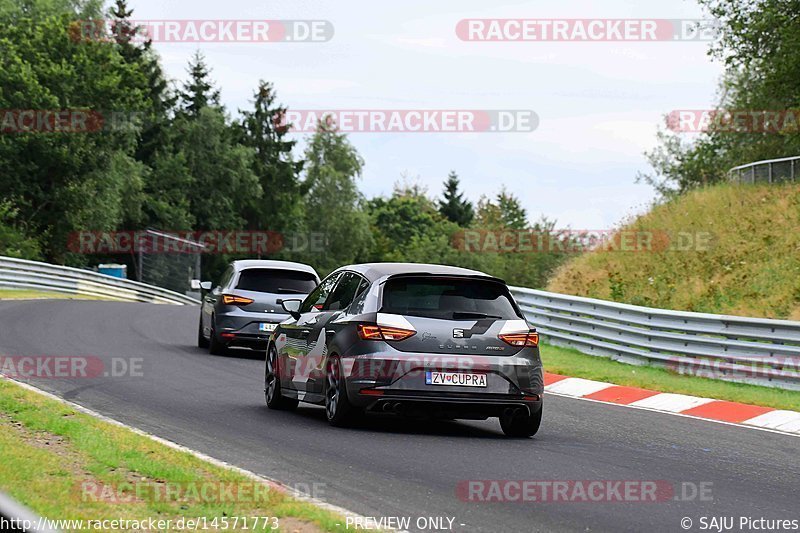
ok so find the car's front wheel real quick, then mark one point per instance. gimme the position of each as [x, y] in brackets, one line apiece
[518, 423]
[272, 384]
[338, 409]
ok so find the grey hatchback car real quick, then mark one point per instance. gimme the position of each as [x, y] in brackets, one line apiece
[245, 306]
[412, 339]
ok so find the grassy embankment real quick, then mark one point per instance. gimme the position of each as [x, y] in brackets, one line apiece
[750, 267]
[65, 464]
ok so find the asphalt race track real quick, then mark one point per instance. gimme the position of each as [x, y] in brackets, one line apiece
[393, 467]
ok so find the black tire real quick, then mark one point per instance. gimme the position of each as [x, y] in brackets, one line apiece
[521, 424]
[338, 409]
[272, 385]
[202, 342]
[215, 346]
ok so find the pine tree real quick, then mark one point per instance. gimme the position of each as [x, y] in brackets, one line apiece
[198, 92]
[505, 212]
[334, 205]
[167, 174]
[454, 207]
[262, 129]
[512, 213]
[125, 32]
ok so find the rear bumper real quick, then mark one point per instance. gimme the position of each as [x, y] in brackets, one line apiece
[447, 406]
[398, 380]
[241, 328]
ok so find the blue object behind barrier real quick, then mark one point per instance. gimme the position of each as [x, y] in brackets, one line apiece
[117, 271]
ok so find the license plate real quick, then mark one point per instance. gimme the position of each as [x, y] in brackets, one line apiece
[460, 379]
[264, 326]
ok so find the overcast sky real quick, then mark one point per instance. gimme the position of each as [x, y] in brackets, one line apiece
[599, 103]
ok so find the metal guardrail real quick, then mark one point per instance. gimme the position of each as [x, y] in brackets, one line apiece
[749, 350]
[24, 274]
[767, 171]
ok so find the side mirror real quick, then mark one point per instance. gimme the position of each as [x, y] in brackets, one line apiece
[292, 306]
[206, 285]
[195, 284]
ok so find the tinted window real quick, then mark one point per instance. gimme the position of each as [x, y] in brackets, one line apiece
[344, 292]
[317, 298]
[276, 281]
[447, 298]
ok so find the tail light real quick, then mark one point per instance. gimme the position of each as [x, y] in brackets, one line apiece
[530, 338]
[230, 299]
[383, 333]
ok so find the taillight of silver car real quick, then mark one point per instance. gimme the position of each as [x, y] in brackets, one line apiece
[371, 332]
[530, 338]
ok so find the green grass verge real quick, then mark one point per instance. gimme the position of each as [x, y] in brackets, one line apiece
[573, 363]
[50, 453]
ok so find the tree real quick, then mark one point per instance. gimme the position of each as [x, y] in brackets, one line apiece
[454, 207]
[160, 100]
[12, 11]
[13, 240]
[505, 212]
[512, 214]
[222, 180]
[166, 177]
[199, 92]
[124, 32]
[262, 129]
[406, 217]
[759, 44]
[65, 181]
[334, 205]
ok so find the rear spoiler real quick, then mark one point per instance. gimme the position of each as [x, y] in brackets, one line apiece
[476, 277]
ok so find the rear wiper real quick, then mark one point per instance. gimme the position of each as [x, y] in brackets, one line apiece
[292, 291]
[469, 314]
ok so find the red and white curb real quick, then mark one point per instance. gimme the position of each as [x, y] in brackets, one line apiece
[681, 404]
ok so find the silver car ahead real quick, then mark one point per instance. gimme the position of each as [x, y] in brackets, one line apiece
[245, 306]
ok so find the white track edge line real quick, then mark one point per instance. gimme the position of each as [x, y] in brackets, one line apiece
[735, 424]
[200, 455]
